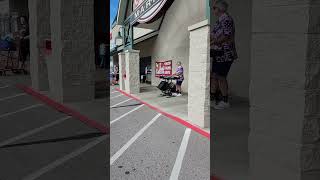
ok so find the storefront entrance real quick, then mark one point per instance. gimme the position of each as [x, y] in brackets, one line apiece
[145, 70]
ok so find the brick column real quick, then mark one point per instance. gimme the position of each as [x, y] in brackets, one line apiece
[199, 75]
[284, 91]
[122, 70]
[39, 21]
[132, 81]
[71, 69]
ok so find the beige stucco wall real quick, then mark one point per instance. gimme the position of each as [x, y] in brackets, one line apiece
[173, 39]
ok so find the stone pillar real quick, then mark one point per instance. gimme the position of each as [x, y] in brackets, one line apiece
[284, 91]
[132, 81]
[71, 69]
[122, 70]
[39, 21]
[199, 75]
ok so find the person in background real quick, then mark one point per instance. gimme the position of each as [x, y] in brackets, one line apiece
[102, 53]
[24, 42]
[180, 76]
[223, 50]
[116, 74]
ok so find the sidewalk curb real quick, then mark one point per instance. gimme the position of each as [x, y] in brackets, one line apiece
[215, 178]
[177, 119]
[62, 108]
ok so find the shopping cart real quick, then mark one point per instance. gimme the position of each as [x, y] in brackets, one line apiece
[9, 57]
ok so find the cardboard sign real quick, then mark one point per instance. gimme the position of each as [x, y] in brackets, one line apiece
[163, 68]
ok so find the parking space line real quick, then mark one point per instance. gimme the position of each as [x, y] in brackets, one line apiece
[10, 97]
[182, 150]
[120, 103]
[64, 159]
[66, 110]
[124, 115]
[183, 122]
[3, 87]
[33, 131]
[114, 92]
[20, 110]
[116, 96]
[132, 140]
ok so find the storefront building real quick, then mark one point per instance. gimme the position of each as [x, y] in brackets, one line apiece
[163, 33]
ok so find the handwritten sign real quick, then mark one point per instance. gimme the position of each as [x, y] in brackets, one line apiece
[163, 68]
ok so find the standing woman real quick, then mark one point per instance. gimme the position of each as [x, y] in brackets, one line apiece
[223, 50]
[24, 42]
[180, 76]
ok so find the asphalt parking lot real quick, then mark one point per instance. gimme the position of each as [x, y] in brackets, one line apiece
[38, 142]
[147, 145]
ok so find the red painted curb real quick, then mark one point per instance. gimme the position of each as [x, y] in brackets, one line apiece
[215, 178]
[177, 119]
[60, 107]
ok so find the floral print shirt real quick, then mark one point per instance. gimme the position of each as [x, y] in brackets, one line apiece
[224, 27]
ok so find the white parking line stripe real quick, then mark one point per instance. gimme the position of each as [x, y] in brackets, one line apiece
[33, 131]
[120, 103]
[124, 115]
[182, 150]
[64, 159]
[21, 110]
[114, 92]
[10, 97]
[116, 96]
[3, 87]
[132, 140]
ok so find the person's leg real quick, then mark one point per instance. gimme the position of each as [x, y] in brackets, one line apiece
[179, 92]
[223, 86]
[215, 92]
[101, 61]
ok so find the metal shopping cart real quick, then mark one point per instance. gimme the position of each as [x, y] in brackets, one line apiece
[10, 54]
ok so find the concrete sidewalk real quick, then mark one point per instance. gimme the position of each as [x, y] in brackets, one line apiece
[230, 140]
[177, 106]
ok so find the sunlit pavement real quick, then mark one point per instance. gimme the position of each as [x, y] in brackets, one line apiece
[38, 142]
[148, 145]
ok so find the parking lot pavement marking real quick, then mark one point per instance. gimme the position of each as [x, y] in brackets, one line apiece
[124, 115]
[3, 87]
[116, 96]
[20, 110]
[120, 103]
[64, 159]
[182, 150]
[10, 97]
[33, 131]
[114, 92]
[132, 140]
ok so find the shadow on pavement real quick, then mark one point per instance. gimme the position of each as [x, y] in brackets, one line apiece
[131, 105]
[71, 138]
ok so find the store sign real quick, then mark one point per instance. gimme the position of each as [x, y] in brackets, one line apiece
[163, 68]
[146, 10]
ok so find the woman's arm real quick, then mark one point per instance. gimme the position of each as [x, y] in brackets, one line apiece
[222, 39]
